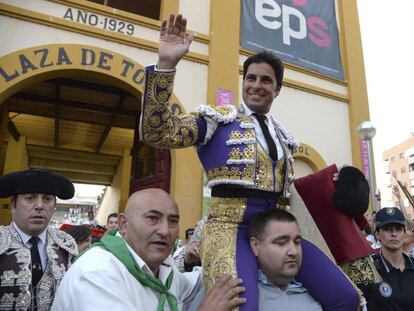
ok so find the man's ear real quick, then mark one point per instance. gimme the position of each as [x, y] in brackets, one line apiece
[122, 223]
[13, 205]
[376, 233]
[255, 245]
[277, 91]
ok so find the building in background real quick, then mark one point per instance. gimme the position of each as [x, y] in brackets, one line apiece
[72, 74]
[399, 166]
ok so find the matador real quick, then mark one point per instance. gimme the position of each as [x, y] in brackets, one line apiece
[247, 156]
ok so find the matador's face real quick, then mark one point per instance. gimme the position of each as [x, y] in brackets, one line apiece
[259, 87]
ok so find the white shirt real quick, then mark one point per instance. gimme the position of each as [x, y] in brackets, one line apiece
[99, 281]
[259, 133]
[41, 246]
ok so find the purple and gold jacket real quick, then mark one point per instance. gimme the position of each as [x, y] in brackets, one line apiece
[232, 155]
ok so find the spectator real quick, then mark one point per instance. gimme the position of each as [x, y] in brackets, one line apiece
[189, 256]
[112, 221]
[408, 245]
[188, 234]
[82, 236]
[91, 219]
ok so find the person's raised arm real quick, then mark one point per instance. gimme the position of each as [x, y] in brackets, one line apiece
[161, 126]
[174, 42]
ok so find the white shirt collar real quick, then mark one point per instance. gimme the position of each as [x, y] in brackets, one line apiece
[25, 238]
[165, 267]
[249, 112]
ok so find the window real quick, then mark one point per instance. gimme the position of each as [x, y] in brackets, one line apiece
[147, 8]
[402, 155]
[402, 170]
[392, 159]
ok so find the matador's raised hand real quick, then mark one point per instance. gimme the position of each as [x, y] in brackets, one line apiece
[174, 42]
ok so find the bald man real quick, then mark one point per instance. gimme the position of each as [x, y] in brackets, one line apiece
[132, 267]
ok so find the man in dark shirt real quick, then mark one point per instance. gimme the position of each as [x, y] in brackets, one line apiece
[396, 291]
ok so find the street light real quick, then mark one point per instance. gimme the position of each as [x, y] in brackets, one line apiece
[366, 132]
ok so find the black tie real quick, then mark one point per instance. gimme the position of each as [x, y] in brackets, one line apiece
[37, 270]
[269, 140]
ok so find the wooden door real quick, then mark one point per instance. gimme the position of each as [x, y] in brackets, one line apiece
[151, 167]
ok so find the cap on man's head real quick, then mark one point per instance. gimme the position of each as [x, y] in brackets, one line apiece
[36, 181]
[389, 215]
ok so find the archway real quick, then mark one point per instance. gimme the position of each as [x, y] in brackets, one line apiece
[49, 91]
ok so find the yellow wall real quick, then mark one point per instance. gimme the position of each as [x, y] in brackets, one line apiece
[125, 166]
[117, 194]
[16, 160]
[168, 7]
[353, 62]
[16, 155]
[186, 186]
[223, 68]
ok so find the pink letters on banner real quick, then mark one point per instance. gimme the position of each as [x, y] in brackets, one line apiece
[364, 158]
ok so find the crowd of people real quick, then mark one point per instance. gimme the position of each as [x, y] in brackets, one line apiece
[269, 242]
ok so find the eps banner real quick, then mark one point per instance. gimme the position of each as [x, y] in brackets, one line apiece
[300, 32]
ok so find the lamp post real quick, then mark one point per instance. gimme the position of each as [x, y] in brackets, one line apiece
[366, 132]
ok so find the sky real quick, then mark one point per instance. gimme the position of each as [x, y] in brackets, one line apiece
[386, 31]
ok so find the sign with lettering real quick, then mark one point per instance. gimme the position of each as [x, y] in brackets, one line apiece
[365, 158]
[100, 21]
[37, 59]
[224, 97]
[64, 60]
[300, 32]
[302, 150]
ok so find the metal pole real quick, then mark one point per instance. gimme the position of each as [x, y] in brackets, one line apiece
[371, 175]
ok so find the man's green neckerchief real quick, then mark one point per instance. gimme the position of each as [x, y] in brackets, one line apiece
[117, 246]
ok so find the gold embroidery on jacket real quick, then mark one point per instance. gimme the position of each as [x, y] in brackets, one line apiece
[361, 271]
[247, 135]
[160, 127]
[264, 170]
[246, 154]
